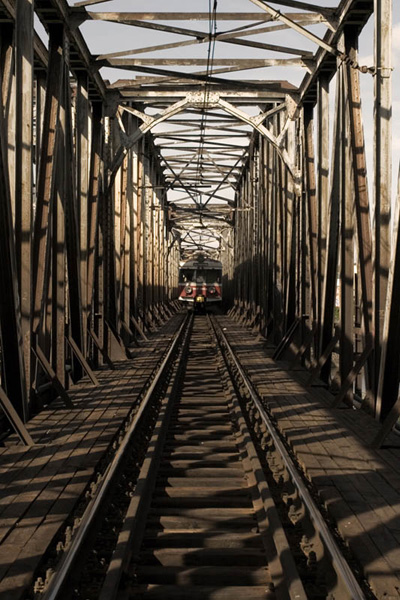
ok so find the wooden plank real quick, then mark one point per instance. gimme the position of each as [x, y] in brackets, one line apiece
[90, 425]
[347, 474]
[376, 568]
[54, 475]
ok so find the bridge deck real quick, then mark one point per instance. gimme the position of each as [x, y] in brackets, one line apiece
[360, 487]
[41, 485]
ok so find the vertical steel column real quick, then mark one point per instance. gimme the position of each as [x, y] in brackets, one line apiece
[135, 228]
[382, 166]
[146, 234]
[141, 297]
[150, 234]
[347, 243]
[120, 275]
[24, 166]
[110, 285]
[10, 314]
[47, 171]
[128, 237]
[307, 282]
[118, 195]
[255, 232]
[277, 249]
[40, 102]
[106, 261]
[389, 376]
[312, 212]
[329, 290]
[322, 193]
[361, 199]
[83, 171]
[93, 202]
[251, 238]
[263, 234]
[74, 307]
[8, 95]
[291, 232]
[58, 265]
[271, 233]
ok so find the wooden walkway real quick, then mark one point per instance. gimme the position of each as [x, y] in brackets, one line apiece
[359, 486]
[41, 485]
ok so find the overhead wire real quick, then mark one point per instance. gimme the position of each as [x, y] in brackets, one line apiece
[212, 11]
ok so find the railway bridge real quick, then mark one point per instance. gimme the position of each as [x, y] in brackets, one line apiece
[150, 452]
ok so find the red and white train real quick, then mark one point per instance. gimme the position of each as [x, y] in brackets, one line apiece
[200, 282]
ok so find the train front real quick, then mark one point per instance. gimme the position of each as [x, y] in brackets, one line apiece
[200, 283]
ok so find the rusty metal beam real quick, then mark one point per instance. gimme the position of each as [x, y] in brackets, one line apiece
[47, 170]
[23, 160]
[10, 314]
[382, 173]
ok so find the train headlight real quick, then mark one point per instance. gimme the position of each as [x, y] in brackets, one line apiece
[188, 290]
[212, 290]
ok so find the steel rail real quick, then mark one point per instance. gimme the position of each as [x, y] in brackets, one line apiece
[131, 533]
[339, 562]
[272, 526]
[55, 587]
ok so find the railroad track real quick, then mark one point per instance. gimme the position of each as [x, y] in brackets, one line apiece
[202, 522]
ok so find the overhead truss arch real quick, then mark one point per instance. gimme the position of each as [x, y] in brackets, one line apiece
[205, 100]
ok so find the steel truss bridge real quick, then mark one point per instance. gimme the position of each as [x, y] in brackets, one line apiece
[107, 182]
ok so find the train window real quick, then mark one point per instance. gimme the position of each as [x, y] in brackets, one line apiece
[186, 275]
[200, 276]
[207, 275]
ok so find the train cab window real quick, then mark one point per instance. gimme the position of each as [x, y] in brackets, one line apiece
[186, 275]
[206, 275]
[200, 276]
